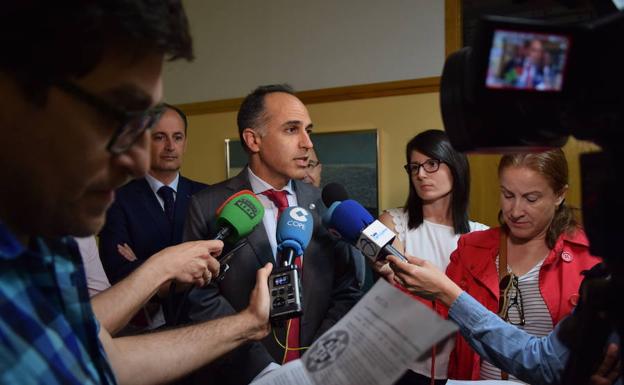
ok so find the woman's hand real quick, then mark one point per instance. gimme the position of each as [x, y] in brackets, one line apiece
[382, 267]
[422, 278]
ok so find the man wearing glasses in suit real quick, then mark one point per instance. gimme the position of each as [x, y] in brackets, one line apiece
[81, 84]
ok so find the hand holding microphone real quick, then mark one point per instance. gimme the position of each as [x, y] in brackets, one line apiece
[422, 278]
[189, 262]
[236, 218]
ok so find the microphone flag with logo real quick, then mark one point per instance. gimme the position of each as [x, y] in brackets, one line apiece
[357, 226]
[238, 216]
[294, 232]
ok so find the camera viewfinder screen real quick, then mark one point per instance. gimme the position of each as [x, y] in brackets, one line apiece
[527, 61]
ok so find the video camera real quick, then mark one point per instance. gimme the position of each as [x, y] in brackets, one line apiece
[527, 85]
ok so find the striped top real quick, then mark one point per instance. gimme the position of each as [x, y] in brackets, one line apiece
[538, 321]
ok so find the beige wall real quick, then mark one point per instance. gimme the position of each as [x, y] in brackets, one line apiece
[309, 44]
[397, 118]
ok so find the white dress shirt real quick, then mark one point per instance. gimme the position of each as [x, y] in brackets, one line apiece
[155, 184]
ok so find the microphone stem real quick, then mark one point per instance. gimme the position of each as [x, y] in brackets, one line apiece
[223, 233]
[390, 250]
[289, 257]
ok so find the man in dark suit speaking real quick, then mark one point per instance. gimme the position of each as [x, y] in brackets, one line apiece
[149, 213]
[274, 128]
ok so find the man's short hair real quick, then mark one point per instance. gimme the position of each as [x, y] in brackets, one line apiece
[45, 41]
[180, 113]
[251, 112]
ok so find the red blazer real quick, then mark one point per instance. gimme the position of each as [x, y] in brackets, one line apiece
[473, 268]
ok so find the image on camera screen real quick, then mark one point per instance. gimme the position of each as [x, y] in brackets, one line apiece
[527, 61]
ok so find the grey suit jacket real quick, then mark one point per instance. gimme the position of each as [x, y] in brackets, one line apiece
[330, 288]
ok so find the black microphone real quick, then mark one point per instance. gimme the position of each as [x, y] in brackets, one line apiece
[333, 192]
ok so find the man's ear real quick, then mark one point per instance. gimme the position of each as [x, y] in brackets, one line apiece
[252, 139]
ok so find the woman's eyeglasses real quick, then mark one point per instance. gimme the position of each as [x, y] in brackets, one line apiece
[430, 166]
[510, 301]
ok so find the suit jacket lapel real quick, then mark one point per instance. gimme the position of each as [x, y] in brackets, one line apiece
[305, 199]
[305, 196]
[259, 242]
[183, 195]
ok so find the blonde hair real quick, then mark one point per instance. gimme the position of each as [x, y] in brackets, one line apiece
[553, 166]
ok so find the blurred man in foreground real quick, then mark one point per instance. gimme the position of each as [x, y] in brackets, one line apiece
[81, 84]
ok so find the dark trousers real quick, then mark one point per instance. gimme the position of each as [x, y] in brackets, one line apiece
[413, 378]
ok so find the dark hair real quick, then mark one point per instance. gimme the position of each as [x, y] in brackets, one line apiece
[180, 113]
[250, 113]
[45, 41]
[553, 166]
[435, 144]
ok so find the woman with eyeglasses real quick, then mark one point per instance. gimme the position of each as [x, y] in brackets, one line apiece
[430, 223]
[528, 271]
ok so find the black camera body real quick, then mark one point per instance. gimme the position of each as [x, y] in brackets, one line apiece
[527, 84]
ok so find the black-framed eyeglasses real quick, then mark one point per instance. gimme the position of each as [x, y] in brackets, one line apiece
[313, 163]
[132, 124]
[511, 300]
[430, 166]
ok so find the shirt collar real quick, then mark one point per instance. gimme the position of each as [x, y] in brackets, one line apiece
[258, 186]
[155, 184]
[10, 247]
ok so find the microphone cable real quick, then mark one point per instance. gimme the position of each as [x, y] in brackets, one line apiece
[285, 345]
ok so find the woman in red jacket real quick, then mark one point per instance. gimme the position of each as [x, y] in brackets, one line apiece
[529, 269]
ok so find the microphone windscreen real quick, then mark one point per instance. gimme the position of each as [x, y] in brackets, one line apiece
[349, 219]
[242, 192]
[242, 213]
[333, 192]
[294, 229]
[327, 216]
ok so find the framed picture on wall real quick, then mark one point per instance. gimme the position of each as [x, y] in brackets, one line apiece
[348, 157]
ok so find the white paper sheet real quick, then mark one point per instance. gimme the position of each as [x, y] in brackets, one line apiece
[373, 344]
[483, 382]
